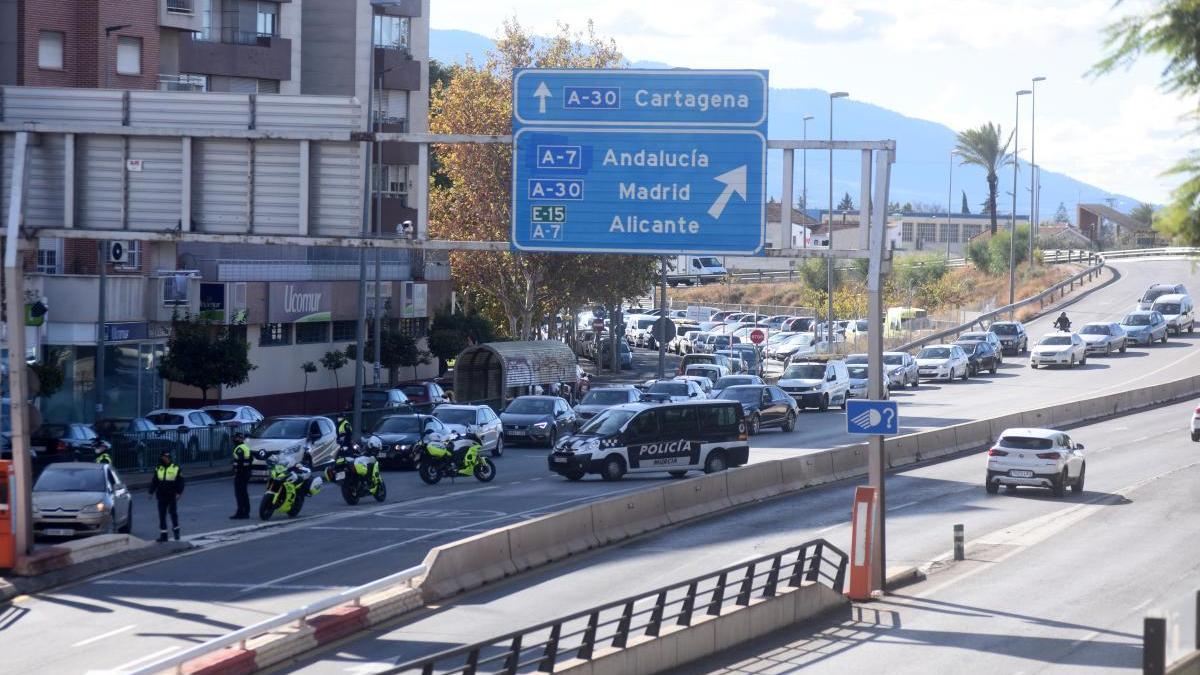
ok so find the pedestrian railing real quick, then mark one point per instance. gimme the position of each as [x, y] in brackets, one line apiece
[585, 634]
[139, 450]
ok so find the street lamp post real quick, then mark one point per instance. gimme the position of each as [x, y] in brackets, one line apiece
[804, 182]
[829, 231]
[1012, 232]
[949, 201]
[1033, 174]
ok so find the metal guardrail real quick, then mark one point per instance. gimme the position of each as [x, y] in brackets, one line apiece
[353, 596]
[612, 625]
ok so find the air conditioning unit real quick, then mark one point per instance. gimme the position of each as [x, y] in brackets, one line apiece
[118, 252]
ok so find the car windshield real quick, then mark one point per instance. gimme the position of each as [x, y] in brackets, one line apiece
[455, 415]
[1172, 308]
[710, 262]
[1095, 329]
[531, 406]
[415, 390]
[1026, 443]
[973, 337]
[934, 353]
[51, 431]
[606, 397]
[893, 359]
[856, 358]
[803, 339]
[742, 394]
[1137, 320]
[669, 388]
[73, 479]
[1152, 294]
[374, 396]
[166, 419]
[608, 422]
[406, 424]
[1056, 340]
[271, 429]
[221, 415]
[110, 426]
[858, 372]
[804, 371]
[1004, 329]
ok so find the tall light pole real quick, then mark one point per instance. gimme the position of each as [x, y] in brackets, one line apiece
[1012, 232]
[804, 182]
[1033, 177]
[829, 231]
[949, 200]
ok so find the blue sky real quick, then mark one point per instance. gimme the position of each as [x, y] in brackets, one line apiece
[957, 62]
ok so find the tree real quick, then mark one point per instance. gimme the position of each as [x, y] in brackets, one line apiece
[309, 368]
[1060, 214]
[50, 376]
[1143, 214]
[398, 350]
[333, 361]
[847, 204]
[1170, 29]
[981, 147]
[205, 356]
[966, 208]
[451, 333]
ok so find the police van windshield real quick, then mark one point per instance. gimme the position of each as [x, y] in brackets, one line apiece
[608, 422]
[1165, 308]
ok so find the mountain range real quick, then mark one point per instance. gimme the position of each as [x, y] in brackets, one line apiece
[921, 172]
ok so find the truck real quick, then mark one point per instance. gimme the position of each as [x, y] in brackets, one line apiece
[694, 270]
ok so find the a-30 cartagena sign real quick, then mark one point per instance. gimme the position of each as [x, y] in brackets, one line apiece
[639, 161]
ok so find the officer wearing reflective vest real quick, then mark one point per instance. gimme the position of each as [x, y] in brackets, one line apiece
[343, 431]
[103, 457]
[167, 487]
[241, 476]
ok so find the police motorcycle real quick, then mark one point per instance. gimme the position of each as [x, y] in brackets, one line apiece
[452, 457]
[290, 480]
[356, 469]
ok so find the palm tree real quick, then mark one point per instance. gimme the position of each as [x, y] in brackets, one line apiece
[982, 148]
[308, 367]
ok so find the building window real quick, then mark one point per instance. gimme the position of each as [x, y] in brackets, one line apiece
[393, 180]
[49, 256]
[206, 27]
[391, 32]
[927, 231]
[392, 107]
[179, 6]
[906, 232]
[948, 232]
[129, 55]
[971, 231]
[268, 19]
[312, 333]
[344, 331]
[183, 82]
[274, 334]
[417, 328]
[50, 50]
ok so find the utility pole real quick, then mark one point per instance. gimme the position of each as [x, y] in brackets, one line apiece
[1012, 232]
[662, 315]
[361, 322]
[1033, 173]
[804, 183]
[378, 229]
[829, 231]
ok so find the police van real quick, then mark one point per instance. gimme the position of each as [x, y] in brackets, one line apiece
[704, 436]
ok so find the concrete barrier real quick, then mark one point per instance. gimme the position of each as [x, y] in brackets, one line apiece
[755, 482]
[1067, 413]
[808, 470]
[536, 542]
[1041, 417]
[936, 442]
[972, 435]
[999, 424]
[850, 461]
[901, 450]
[1097, 408]
[696, 497]
[465, 564]
[629, 515]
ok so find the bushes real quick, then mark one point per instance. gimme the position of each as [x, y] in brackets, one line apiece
[991, 255]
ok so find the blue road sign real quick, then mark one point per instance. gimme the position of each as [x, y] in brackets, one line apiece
[639, 161]
[872, 417]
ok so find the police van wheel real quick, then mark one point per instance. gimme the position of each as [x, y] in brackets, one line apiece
[824, 405]
[573, 475]
[715, 462]
[614, 468]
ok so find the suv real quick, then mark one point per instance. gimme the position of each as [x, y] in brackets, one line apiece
[1158, 290]
[1012, 336]
[287, 433]
[818, 384]
[1035, 458]
[708, 436]
[1178, 310]
[376, 398]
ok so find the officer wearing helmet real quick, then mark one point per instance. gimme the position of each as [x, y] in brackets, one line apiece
[241, 476]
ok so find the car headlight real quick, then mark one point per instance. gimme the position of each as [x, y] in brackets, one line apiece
[541, 425]
[98, 507]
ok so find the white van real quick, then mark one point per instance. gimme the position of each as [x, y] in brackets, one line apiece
[1178, 310]
[817, 384]
[694, 270]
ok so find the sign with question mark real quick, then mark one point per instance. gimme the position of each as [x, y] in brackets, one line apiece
[872, 417]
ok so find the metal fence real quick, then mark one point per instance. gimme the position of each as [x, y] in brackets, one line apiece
[139, 450]
[611, 626]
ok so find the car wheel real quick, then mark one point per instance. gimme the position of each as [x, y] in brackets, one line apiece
[614, 468]
[128, 526]
[974, 370]
[916, 382]
[193, 448]
[1195, 436]
[1033, 366]
[966, 374]
[553, 437]
[789, 424]
[1083, 361]
[715, 462]
[992, 487]
[1164, 337]
[1077, 486]
[846, 397]
[824, 404]
[1191, 327]
[1123, 346]
[1072, 361]
[994, 367]
[755, 424]
[1059, 485]
[499, 449]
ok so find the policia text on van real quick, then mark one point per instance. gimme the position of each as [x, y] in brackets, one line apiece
[704, 436]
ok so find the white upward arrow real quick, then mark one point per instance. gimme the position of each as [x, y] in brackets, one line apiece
[735, 181]
[541, 94]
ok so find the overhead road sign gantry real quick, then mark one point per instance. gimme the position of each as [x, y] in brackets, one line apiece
[639, 161]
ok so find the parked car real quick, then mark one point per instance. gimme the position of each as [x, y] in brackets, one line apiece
[681, 341]
[80, 498]
[385, 398]
[1035, 458]
[602, 398]
[902, 369]
[474, 419]
[398, 436]
[983, 336]
[1013, 337]
[764, 406]
[798, 324]
[136, 436]
[1101, 337]
[420, 393]
[1155, 291]
[818, 384]
[1059, 349]
[316, 435]
[981, 356]
[74, 442]
[859, 381]
[1144, 327]
[234, 415]
[943, 362]
[750, 356]
[540, 419]
[1178, 310]
[194, 428]
[676, 390]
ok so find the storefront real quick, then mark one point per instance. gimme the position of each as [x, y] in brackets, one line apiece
[132, 386]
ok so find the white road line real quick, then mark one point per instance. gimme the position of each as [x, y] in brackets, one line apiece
[207, 584]
[903, 506]
[148, 657]
[100, 637]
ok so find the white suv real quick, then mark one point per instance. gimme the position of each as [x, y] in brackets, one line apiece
[1035, 458]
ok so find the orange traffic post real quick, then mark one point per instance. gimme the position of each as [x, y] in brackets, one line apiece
[862, 543]
[8, 543]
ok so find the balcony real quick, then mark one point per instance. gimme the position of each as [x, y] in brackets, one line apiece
[397, 69]
[398, 152]
[180, 14]
[238, 54]
[410, 8]
[395, 211]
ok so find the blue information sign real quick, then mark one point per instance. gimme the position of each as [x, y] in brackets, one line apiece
[872, 417]
[639, 161]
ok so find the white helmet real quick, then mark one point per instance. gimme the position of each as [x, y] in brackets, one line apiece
[374, 444]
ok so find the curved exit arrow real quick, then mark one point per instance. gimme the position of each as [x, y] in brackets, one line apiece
[735, 181]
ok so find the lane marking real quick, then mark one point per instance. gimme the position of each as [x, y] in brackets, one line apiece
[208, 584]
[903, 506]
[144, 659]
[100, 637]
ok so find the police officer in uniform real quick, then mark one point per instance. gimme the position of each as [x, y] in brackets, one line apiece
[103, 457]
[241, 476]
[167, 487]
[343, 431]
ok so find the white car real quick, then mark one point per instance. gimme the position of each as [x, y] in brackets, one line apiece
[678, 390]
[1059, 349]
[195, 430]
[1035, 458]
[943, 362]
[704, 381]
[234, 415]
[474, 419]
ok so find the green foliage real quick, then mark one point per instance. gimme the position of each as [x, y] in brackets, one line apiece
[991, 255]
[205, 356]
[308, 367]
[919, 270]
[847, 204]
[966, 208]
[50, 376]
[982, 147]
[333, 361]
[815, 273]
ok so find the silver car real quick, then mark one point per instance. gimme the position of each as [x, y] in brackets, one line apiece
[80, 498]
[1102, 337]
[474, 419]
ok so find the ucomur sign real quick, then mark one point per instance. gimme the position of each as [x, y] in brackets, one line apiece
[664, 453]
[299, 302]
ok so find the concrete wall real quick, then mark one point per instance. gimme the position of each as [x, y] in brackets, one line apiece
[291, 25]
[330, 50]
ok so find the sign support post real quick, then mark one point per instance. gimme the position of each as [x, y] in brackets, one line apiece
[876, 380]
[662, 305]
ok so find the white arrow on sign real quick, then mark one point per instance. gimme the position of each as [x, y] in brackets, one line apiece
[541, 94]
[735, 181]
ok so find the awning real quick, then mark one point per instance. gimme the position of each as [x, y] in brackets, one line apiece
[488, 371]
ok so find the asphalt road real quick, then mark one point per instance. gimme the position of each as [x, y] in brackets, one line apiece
[1057, 584]
[245, 571]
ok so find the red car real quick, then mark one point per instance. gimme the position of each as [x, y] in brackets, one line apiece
[424, 392]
